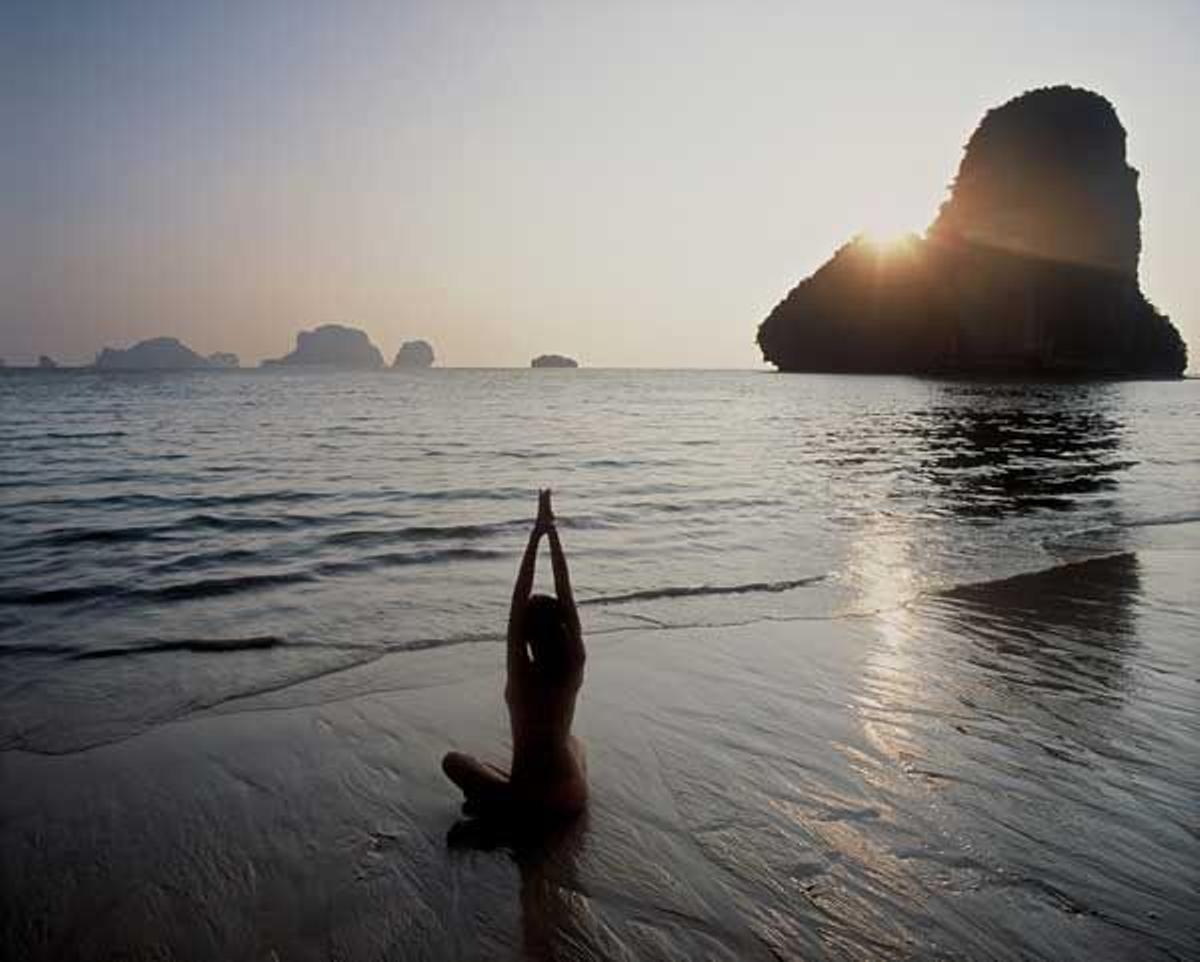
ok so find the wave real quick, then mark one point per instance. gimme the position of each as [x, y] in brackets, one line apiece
[704, 507]
[460, 532]
[400, 559]
[195, 645]
[365, 537]
[69, 537]
[1186, 517]
[117, 501]
[631, 463]
[185, 591]
[237, 584]
[688, 591]
[218, 587]
[277, 522]
[203, 504]
[59, 596]
[65, 436]
[1108, 535]
[153, 646]
[461, 494]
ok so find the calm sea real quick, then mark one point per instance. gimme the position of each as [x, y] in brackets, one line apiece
[174, 542]
[341, 515]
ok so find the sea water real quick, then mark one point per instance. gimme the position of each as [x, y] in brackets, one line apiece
[176, 543]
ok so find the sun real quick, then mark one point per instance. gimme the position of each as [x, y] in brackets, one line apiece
[888, 243]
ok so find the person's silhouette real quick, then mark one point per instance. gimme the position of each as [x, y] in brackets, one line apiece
[545, 672]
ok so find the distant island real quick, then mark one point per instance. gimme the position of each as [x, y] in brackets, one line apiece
[46, 363]
[331, 345]
[553, 360]
[414, 354]
[327, 346]
[155, 354]
[1029, 268]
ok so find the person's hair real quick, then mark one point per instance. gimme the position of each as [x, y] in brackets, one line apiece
[545, 628]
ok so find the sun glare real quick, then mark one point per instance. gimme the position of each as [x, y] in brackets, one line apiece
[889, 242]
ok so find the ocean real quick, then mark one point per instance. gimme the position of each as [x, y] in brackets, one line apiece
[914, 664]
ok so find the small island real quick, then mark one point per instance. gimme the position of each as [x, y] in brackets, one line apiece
[332, 345]
[553, 360]
[1030, 267]
[414, 354]
[46, 363]
[224, 359]
[155, 354]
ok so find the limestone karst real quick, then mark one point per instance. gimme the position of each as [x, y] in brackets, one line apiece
[332, 345]
[155, 354]
[1030, 267]
[414, 354]
[553, 360]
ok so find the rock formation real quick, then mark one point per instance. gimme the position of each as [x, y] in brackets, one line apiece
[156, 354]
[332, 345]
[1029, 268]
[553, 360]
[224, 359]
[414, 354]
[46, 363]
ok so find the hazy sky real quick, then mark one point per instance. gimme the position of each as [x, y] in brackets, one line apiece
[629, 183]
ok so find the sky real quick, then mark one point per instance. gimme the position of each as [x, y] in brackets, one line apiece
[632, 184]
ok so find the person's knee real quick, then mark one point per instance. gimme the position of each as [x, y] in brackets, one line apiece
[454, 764]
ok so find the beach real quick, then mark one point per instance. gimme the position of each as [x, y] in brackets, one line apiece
[775, 791]
[794, 752]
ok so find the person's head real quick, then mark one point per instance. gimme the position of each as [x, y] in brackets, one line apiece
[545, 628]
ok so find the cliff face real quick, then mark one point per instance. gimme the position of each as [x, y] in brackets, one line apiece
[1045, 175]
[332, 345]
[1030, 266]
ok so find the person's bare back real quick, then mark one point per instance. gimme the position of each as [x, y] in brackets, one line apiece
[545, 672]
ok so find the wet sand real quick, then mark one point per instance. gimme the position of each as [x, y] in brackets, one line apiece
[994, 772]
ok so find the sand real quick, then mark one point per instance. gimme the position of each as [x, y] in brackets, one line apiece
[841, 788]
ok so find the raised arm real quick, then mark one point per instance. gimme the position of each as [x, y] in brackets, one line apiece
[562, 579]
[517, 655]
[562, 586]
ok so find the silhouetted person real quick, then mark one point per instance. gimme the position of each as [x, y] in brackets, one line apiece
[545, 673]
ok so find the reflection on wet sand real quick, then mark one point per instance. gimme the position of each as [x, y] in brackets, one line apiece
[1072, 621]
[556, 919]
[986, 466]
[1007, 718]
[1032, 650]
[1040, 659]
[1003, 450]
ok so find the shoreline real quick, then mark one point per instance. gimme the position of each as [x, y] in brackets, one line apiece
[758, 791]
